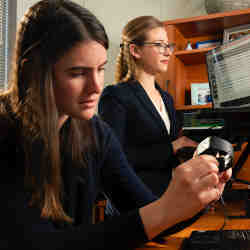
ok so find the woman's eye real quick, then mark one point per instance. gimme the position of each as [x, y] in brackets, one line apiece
[158, 44]
[77, 74]
[102, 69]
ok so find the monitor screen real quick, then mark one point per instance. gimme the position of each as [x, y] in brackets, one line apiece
[228, 69]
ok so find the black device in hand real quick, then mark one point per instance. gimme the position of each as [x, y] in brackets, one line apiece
[220, 148]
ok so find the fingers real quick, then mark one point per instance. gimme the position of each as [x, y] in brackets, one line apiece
[225, 175]
[211, 184]
[201, 175]
[215, 194]
[208, 181]
[199, 166]
[220, 187]
[210, 188]
[210, 196]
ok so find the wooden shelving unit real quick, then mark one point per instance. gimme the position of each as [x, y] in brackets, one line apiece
[189, 66]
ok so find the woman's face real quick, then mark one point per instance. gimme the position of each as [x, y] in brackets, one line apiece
[152, 58]
[78, 80]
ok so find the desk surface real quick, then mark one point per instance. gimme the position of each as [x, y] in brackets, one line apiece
[213, 220]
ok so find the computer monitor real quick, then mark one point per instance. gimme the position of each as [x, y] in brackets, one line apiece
[228, 67]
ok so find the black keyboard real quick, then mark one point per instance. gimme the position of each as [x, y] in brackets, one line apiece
[218, 240]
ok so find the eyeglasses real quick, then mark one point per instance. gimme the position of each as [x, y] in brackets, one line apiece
[162, 47]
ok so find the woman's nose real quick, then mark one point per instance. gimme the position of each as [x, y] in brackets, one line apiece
[96, 82]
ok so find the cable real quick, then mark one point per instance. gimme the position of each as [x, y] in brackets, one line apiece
[225, 213]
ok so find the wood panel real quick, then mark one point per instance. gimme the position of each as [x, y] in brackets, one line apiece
[196, 73]
[180, 84]
[210, 24]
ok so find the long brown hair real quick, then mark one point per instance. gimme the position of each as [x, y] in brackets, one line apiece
[134, 32]
[46, 32]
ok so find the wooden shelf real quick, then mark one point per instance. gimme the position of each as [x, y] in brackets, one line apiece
[187, 107]
[195, 56]
[210, 24]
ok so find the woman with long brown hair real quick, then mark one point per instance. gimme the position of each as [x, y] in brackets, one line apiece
[57, 155]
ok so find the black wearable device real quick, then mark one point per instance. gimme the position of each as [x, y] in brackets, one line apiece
[220, 148]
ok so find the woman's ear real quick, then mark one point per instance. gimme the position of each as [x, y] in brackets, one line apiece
[134, 51]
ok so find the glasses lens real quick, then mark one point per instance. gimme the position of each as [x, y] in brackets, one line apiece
[164, 46]
[171, 47]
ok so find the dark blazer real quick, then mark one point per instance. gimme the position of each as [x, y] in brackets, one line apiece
[127, 108]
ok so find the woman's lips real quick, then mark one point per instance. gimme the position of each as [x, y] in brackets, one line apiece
[88, 103]
[164, 61]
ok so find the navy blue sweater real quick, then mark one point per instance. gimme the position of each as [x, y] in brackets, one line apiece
[107, 170]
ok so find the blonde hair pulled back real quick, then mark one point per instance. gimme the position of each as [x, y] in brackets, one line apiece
[135, 32]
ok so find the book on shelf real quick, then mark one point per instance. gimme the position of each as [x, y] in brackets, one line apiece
[207, 44]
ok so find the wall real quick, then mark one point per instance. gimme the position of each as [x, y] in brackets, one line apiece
[116, 13]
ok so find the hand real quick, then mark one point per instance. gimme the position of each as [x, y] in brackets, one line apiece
[194, 185]
[183, 141]
[224, 176]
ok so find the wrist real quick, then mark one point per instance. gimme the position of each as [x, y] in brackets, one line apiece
[156, 217]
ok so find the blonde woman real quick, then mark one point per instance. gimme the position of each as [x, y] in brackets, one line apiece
[140, 112]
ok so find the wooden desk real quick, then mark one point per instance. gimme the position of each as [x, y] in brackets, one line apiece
[213, 220]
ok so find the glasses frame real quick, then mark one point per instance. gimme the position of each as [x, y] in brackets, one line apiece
[162, 47]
